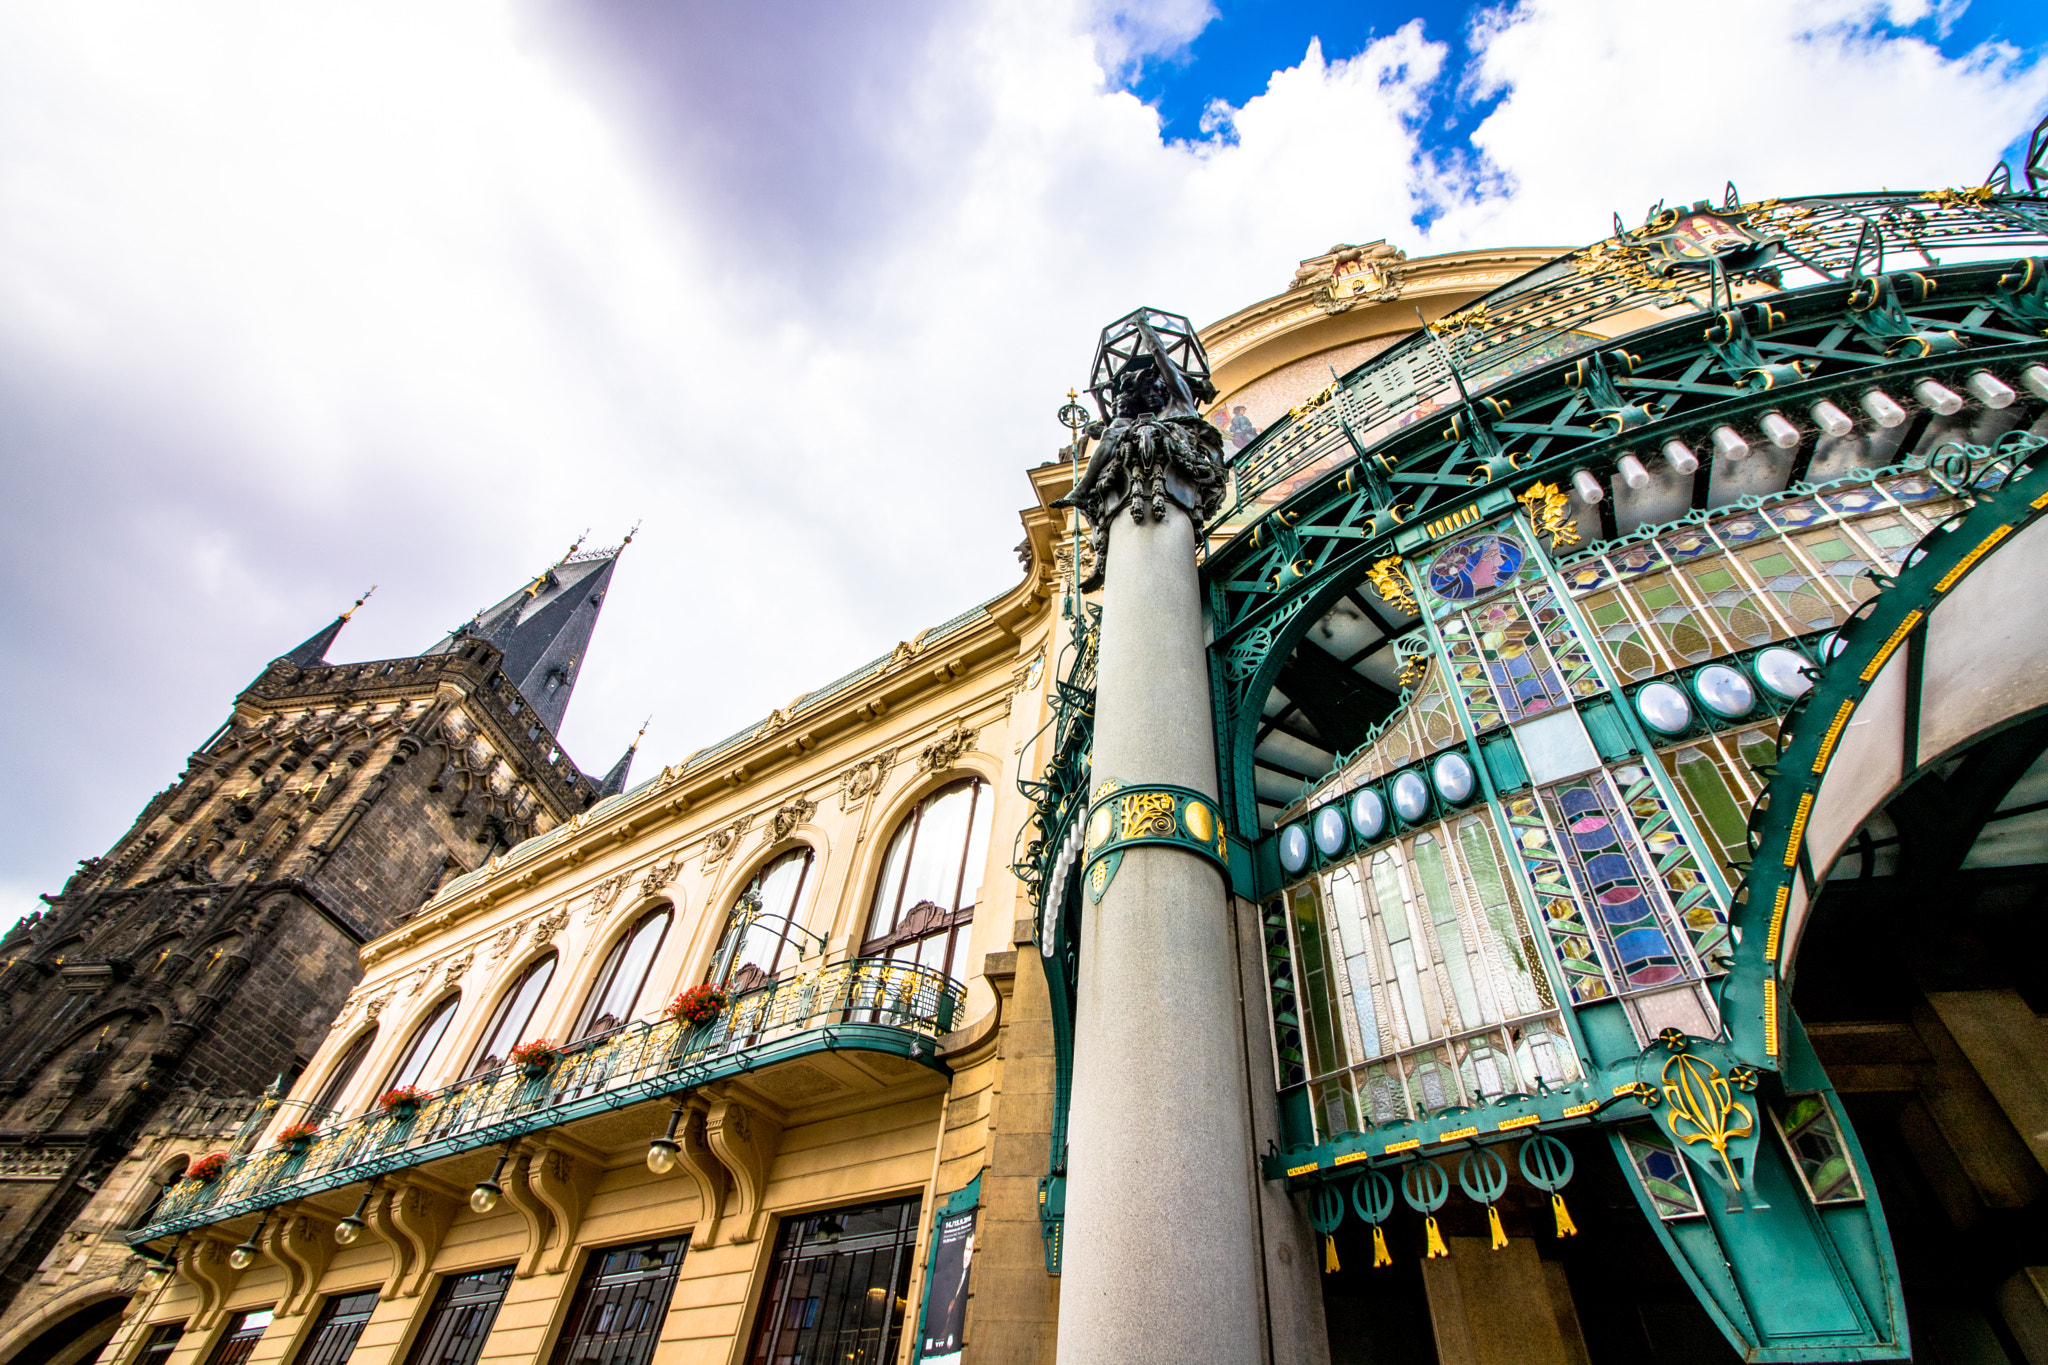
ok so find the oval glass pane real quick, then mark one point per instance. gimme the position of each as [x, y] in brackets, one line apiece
[1724, 691]
[1664, 708]
[1781, 670]
[1330, 830]
[1411, 797]
[1455, 780]
[1294, 848]
[1368, 813]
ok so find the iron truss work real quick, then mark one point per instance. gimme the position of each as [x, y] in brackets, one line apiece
[869, 1005]
[1761, 356]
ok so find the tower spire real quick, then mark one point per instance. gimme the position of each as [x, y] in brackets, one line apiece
[615, 780]
[314, 651]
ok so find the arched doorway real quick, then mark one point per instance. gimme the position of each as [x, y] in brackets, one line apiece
[75, 1338]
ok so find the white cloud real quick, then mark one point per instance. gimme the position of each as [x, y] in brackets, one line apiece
[293, 300]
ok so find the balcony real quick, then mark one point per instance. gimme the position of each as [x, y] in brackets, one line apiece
[865, 1005]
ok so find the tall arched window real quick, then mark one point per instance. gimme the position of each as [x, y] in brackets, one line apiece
[616, 996]
[769, 945]
[931, 879]
[515, 1011]
[344, 1071]
[412, 1063]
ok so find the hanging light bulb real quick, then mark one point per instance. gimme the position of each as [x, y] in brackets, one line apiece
[1988, 389]
[1780, 432]
[1729, 445]
[1832, 419]
[1882, 409]
[1588, 488]
[1632, 472]
[1679, 456]
[663, 1151]
[1940, 397]
[351, 1227]
[243, 1256]
[485, 1196]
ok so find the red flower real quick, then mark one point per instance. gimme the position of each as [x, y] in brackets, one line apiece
[698, 1005]
[404, 1097]
[207, 1167]
[297, 1132]
[539, 1052]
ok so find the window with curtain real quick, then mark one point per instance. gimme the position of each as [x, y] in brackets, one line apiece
[514, 1013]
[329, 1098]
[931, 879]
[615, 997]
[769, 945]
[419, 1052]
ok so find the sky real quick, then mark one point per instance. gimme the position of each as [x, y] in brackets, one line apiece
[298, 299]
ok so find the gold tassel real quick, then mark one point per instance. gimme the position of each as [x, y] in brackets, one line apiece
[1329, 1254]
[1565, 1226]
[1380, 1256]
[1436, 1239]
[1500, 1237]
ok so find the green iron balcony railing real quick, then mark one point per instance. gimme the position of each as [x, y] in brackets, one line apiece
[868, 1004]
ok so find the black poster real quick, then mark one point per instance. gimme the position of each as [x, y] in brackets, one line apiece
[945, 1299]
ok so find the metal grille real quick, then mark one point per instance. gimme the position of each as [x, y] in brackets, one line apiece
[461, 1318]
[839, 1287]
[341, 1322]
[163, 1339]
[244, 1331]
[620, 1303]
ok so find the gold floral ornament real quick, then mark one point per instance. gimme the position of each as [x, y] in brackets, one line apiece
[1148, 814]
[1550, 513]
[1975, 194]
[1390, 583]
[1704, 1108]
[1475, 316]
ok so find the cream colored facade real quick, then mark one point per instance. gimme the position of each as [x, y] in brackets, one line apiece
[836, 772]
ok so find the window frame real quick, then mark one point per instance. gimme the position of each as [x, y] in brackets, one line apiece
[343, 1073]
[443, 1014]
[501, 1012]
[956, 924]
[607, 974]
[784, 933]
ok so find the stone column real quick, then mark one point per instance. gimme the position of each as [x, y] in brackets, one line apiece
[1161, 1261]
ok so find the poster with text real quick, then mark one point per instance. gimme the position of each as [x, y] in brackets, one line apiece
[945, 1300]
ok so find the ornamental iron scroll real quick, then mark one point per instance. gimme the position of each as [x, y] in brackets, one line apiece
[1155, 813]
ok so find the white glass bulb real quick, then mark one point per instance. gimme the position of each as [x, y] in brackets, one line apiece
[483, 1198]
[1940, 397]
[1729, 445]
[1780, 432]
[1832, 419]
[1588, 487]
[1632, 472]
[2035, 378]
[1988, 389]
[1679, 456]
[240, 1258]
[661, 1157]
[1882, 409]
[346, 1231]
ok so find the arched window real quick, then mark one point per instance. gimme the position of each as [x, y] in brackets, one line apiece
[412, 1064]
[160, 1184]
[344, 1071]
[768, 946]
[515, 1011]
[616, 996]
[931, 879]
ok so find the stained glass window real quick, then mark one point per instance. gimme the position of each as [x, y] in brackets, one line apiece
[1612, 875]
[1475, 566]
[1662, 1171]
[1813, 1136]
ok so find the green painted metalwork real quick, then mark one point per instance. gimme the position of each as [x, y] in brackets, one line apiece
[1159, 814]
[865, 1005]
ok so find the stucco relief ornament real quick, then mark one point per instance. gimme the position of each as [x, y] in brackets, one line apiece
[1157, 448]
[452, 973]
[604, 895]
[859, 781]
[944, 752]
[789, 817]
[724, 840]
[547, 926]
[660, 875]
[1345, 276]
[376, 1005]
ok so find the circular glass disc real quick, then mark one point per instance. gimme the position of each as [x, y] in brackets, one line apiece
[1724, 691]
[1368, 813]
[1330, 830]
[1664, 708]
[1294, 848]
[1411, 797]
[1780, 670]
[1455, 779]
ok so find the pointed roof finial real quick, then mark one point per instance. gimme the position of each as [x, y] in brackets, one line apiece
[630, 534]
[643, 732]
[574, 546]
[359, 601]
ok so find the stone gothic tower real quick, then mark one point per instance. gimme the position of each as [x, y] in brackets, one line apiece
[202, 956]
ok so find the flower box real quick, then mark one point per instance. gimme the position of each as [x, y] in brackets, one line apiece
[208, 1168]
[298, 1136]
[534, 1058]
[697, 1006]
[403, 1102]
